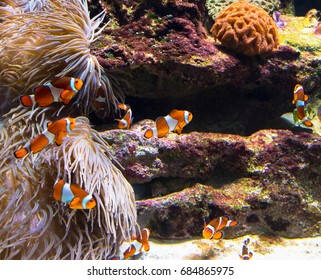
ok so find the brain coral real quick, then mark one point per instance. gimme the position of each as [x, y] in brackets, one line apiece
[215, 6]
[246, 29]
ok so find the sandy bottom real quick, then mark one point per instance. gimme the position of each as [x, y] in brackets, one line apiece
[263, 247]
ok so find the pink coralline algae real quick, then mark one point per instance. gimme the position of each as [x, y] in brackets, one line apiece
[317, 30]
[263, 181]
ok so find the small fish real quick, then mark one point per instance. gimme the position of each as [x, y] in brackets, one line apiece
[73, 194]
[101, 100]
[55, 132]
[300, 99]
[137, 246]
[246, 255]
[127, 119]
[58, 90]
[213, 229]
[175, 122]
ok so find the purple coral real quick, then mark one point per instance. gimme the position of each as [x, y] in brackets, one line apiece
[280, 23]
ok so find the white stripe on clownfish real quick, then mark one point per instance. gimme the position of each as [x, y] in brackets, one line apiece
[100, 99]
[68, 129]
[72, 85]
[186, 117]
[297, 89]
[124, 122]
[55, 92]
[300, 103]
[228, 223]
[85, 200]
[171, 122]
[67, 194]
[50, 136]
[212, 230]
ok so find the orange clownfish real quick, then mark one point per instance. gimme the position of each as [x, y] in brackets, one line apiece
[74, 195]
[55, 132]
[175, 122]
[58, 90]
[300, 99]
[246, 255]
[137, 246]
[127, 119]
[213, 229]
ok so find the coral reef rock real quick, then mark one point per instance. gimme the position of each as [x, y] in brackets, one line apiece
[163, 57]
[246, 29]
[268, 181]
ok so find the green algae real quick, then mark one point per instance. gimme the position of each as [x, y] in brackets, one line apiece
[299, 34]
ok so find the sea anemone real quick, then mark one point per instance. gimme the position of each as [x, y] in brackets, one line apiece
[33, 225]
[40, 40]
[9, 7]
[45, 39]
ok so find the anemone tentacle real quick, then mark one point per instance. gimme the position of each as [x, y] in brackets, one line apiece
[52, 38]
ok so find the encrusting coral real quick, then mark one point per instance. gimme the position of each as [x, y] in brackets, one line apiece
[37, 45]
[32, 224]
[215, 6]
[246, 29]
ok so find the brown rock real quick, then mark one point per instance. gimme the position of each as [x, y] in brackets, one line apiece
[268, 181]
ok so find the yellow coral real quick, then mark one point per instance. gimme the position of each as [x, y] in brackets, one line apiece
[246, 29]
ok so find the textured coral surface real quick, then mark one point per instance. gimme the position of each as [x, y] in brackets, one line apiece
[246, 29]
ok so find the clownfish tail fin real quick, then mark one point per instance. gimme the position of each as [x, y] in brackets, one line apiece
[149, 133]
[308, 123]
[26, 100]
[21, 152]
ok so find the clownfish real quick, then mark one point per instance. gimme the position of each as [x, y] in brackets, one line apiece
[213, 229]
[246, 255]
[58, 90]
[55, 132]
[127, 119]
[139, 243]
[300, 99]
[101, 100]
[175, 122]
[73, 194]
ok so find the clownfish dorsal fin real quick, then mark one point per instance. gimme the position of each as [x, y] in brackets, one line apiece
[158, 119]
[59, 178]
[49, 124]
[204, 223]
